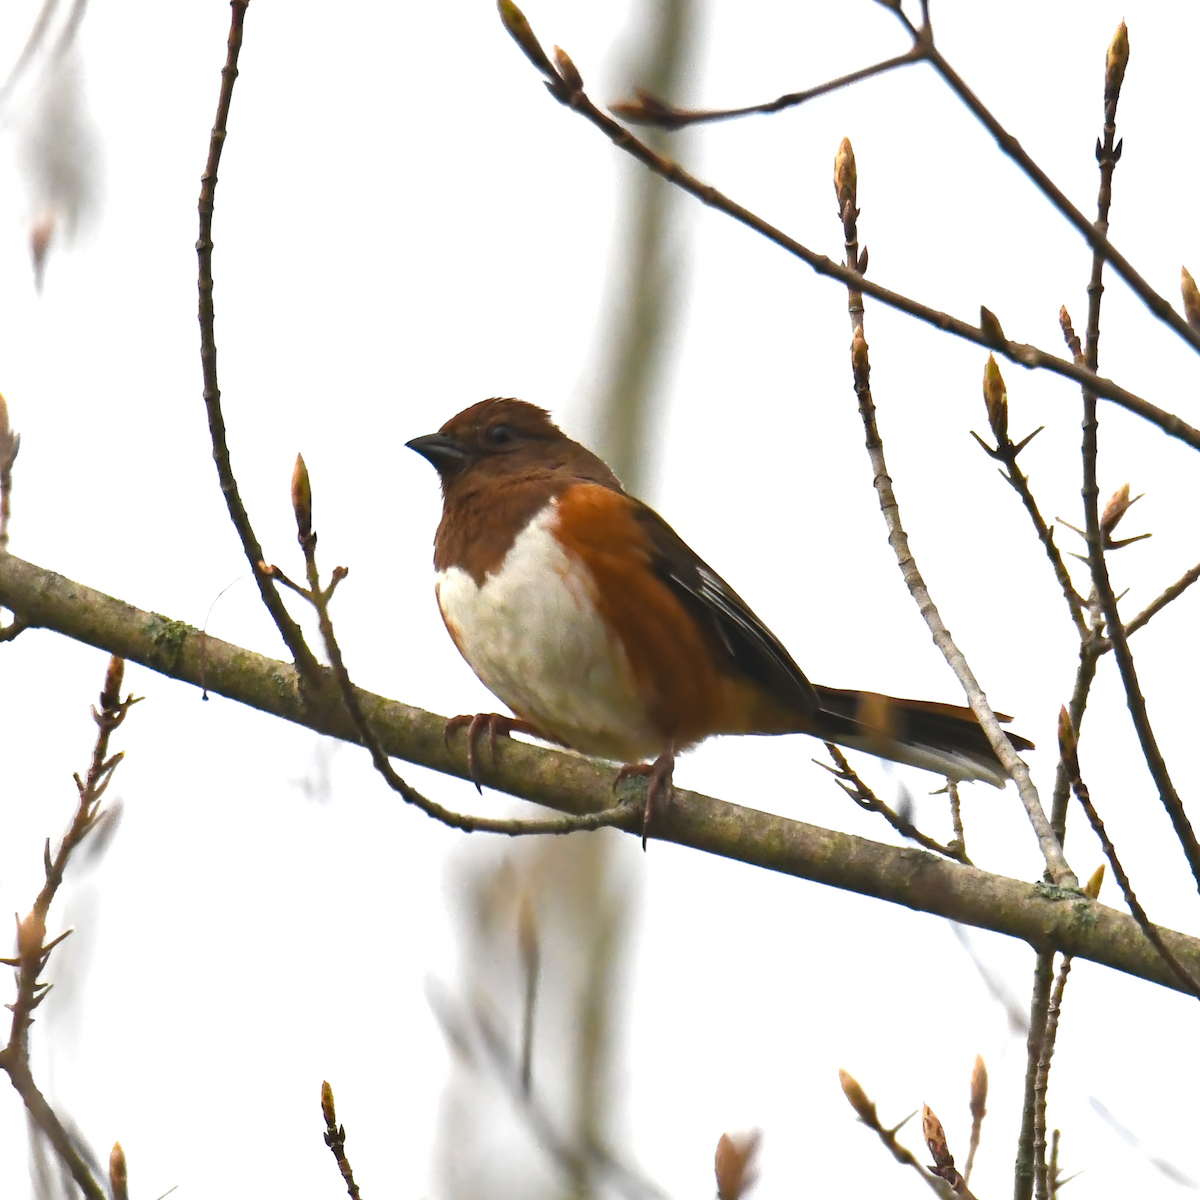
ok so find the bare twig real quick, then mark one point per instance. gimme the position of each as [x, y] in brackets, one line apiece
[33, 951]
[1096, 235]
[1107, 154]
[1027, 1164]
[864, 1106]
[1026, 355]
[649, 109]
[335, 1139]
[956, 821]
[306, 663]
[1068, 747]
[850, 783]
[1161, 601]
[996, 398]
[1044, 1172]
[845, 183]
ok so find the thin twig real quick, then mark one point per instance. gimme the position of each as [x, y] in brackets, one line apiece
[1107, 154]
[1018, 352]
[1096, 235]
[33, 951]
[1161, 601]
[956, 821]
[1006, 452]
[1068, 746]
[649, 109]
[1039, 1005]
[305, 661]
[845, 182]
[1042, 1081]
[868, 1114]
[850, 783]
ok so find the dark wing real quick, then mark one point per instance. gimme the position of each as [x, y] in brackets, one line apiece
[749, 643]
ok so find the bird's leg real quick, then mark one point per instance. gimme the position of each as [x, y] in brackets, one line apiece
[660, 780]
[496, 725]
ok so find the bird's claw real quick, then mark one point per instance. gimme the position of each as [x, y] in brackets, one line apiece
[496, 725]
[660, 781]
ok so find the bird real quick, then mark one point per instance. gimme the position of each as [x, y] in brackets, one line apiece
[592, 620]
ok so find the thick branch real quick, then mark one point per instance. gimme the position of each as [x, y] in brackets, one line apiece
[1044, 917]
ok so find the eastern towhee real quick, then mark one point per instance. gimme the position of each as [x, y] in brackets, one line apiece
[589, 616]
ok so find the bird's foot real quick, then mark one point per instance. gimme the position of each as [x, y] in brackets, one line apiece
[660, 777]
[496, 725]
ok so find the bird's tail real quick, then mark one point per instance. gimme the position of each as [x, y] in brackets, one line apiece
[945, 738]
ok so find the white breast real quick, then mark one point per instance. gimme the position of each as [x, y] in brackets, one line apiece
[533, 635]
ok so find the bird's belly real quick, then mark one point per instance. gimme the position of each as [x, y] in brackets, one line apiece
[532, 633]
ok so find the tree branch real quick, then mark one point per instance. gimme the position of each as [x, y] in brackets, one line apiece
[288, 629]
[571, 94]
[1043, 916]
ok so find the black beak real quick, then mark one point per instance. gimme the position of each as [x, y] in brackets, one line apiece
[446, 453]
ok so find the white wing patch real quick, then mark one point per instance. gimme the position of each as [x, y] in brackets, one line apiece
[533, 635]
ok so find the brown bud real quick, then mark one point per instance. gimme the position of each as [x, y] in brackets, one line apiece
[1067, 743]
[302, 498]
[110, 697]
[1191, 297]
[935, 1138]
[1116, 62]
[1095, 882]
[995, 396]
[1118, 505]
[734, 1164]
[31, 934]
[118, 1173]
[979, 1089]
[989, 324]
[859, 1100]
[859, 358]
[327, 1109]
[568, 70]
[521, 33]
[845, 176]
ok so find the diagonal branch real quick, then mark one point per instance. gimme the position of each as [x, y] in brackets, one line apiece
[1096, 235]
[1043, 916]
[845, 183]
[648, 109]
[990, 338]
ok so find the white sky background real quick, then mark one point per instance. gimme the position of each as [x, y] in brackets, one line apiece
[407, 223]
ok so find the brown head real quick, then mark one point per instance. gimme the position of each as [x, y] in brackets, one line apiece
[500, 462]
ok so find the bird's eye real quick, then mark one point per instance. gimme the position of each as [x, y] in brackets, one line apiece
[499, 435]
